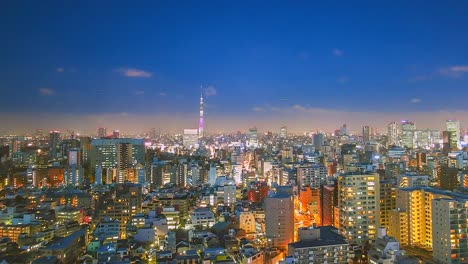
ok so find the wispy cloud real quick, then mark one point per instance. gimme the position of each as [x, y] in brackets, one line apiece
[134, 73]
[162, 94]
[415, 100]
[338, 52]
[46, 91]
[60, 69]
[139, 92]
[258, 109]
[455, 71]
[210, 91]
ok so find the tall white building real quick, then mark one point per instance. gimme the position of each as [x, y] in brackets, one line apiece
[358, 203]
[393, 133]
[450, 230]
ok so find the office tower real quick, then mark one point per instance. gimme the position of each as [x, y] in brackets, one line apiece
[407, 134]
[365, 134]
[450, 230]
[124, 161]
[73, 157]
[454, 127]
[102, 132]
[279, 217]
[393, 134]
[283, 132]
[54, 143]
[190, 138]
[14, 146]
[116, 134]
[447, 141]
[311, 175]
[104, 152]
[320, 245]
[73, 176]
[387, 201]
[343, 130]
[201, 123]
[328, 203]
[448, 178]
[253, 137]
[317, 140]
[85, 147]
[358, 202]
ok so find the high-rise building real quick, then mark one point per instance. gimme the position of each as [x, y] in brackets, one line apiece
[387, 201]
[190, 138]
[448, 178]
[393, 134]
[365, 134]
[328, 203]
[253, 138]
[201, 123]
[407, 133]
[116, 134]
[279, 216]
[447, 141]
[450, 230]
[318, 140]
[454, 127]
[311, 175]
[104, 152]
[54, 144]
[102, 132]
[358, 202]
[283, 132]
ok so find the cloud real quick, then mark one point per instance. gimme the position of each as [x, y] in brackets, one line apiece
[415, 100]
[134, 73]
[46, 91]
[60, 69]
[210, 91]
[139, 92]
[258, 109]
[337, 52]
[454, 71]
[162, 94]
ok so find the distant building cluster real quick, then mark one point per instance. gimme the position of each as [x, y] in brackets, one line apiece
[254, 197]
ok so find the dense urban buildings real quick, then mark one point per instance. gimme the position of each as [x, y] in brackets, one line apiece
[323, 132]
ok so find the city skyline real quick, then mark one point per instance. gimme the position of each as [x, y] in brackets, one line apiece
[264, 66]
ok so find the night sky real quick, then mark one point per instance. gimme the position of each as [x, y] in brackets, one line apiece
[132, 65]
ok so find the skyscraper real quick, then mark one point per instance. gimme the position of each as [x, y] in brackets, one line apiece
[454, 127]
[201, 124]
[283, 132]
[54, 141]
[365, 134]
[102, 132]
[393, 133]
[407, 133]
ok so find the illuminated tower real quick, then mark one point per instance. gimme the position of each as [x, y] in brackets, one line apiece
[201, 123]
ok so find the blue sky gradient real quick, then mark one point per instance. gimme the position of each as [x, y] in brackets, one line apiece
[261, 58]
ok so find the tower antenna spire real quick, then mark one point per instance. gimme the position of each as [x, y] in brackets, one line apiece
[201, 123]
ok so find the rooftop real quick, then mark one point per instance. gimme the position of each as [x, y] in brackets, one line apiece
[328, 236]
